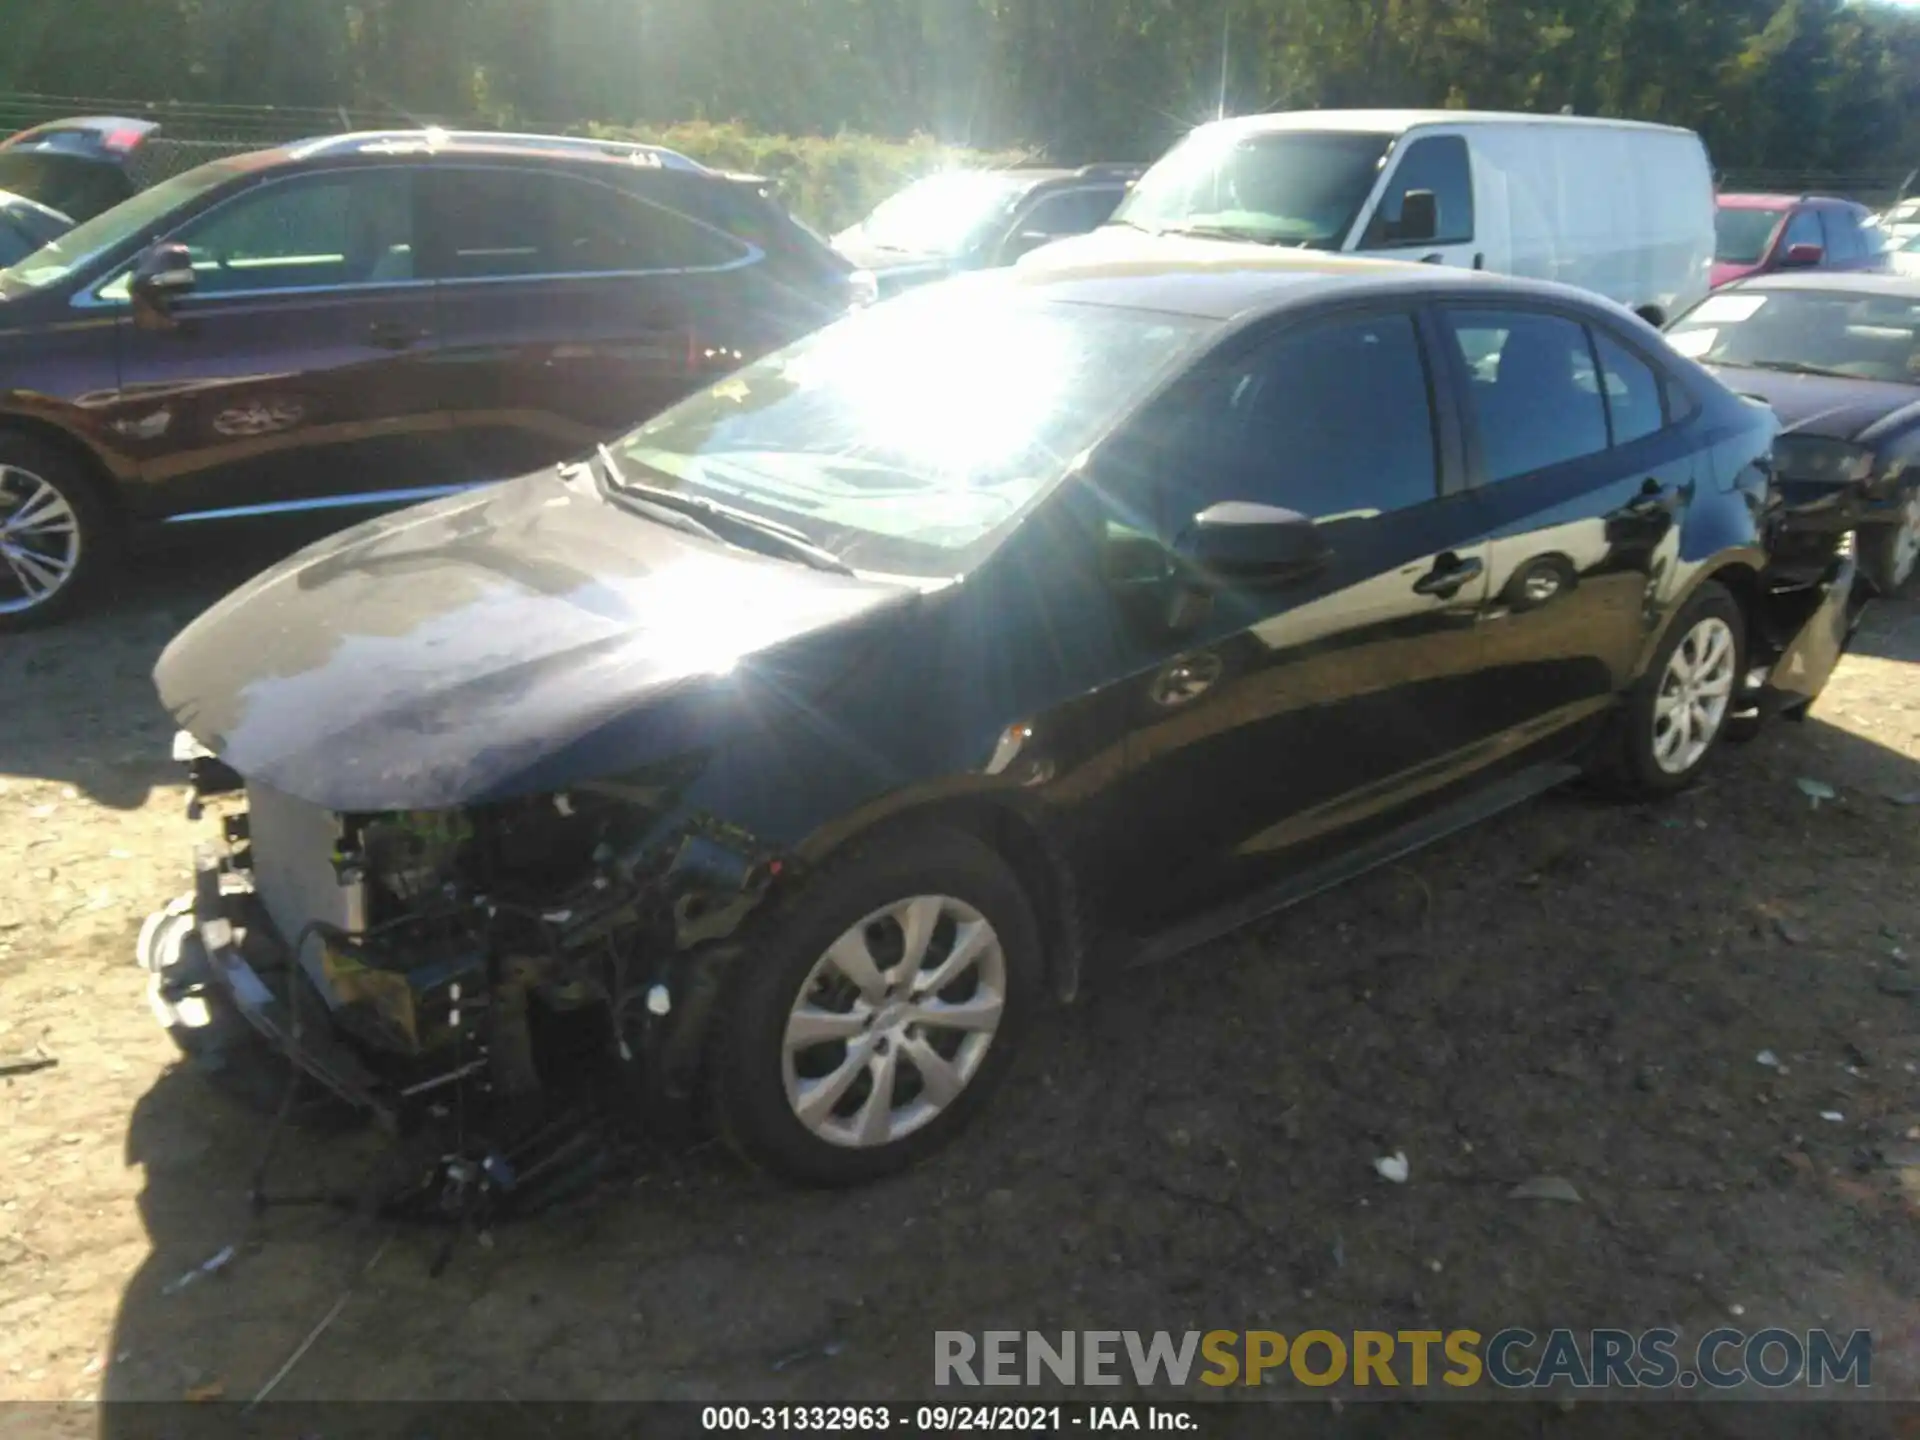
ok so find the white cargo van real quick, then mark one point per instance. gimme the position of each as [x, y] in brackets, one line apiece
[1614, 206]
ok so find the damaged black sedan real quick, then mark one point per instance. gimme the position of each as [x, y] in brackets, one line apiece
[777, 762]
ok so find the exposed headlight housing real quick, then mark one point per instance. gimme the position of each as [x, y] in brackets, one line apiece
[1811, 457]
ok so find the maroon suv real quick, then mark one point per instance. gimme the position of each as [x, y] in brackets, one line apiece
[369, 319]
[1754, 234]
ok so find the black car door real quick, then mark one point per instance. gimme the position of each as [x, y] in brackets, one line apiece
[299, 369]
[570, 307]
[1269, 725]
[1582, 477]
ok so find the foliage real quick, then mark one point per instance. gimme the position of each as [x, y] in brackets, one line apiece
[1809, 84]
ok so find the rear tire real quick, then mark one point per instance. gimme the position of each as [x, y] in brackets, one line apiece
[56, 532]
[878, 1011]
[1677, 712]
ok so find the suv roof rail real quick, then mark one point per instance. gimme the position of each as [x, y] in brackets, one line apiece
[429, 137]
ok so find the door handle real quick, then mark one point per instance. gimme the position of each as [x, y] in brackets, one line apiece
[1448, 575]
[395, 335]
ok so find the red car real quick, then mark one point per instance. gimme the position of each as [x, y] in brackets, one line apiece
[1754, 234]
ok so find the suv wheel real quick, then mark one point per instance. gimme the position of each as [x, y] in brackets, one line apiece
[53, 532]
[880, 1011]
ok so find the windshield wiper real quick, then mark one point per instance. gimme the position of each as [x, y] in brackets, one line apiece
[713, 518]
[1795, 367]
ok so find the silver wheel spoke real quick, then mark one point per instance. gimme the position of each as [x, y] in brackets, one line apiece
[41, 509]
[38, 576]
[978, 1012]
[809, 1026]
[874, 1123]
[940, 1083]
[851, 957]
[968, 943]
[917, 918]
[1695, 691]
[814, 1104]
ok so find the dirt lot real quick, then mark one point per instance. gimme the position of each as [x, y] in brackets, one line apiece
[1575, 990]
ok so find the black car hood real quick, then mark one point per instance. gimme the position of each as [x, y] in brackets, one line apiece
[428, 658]
[1838, 409]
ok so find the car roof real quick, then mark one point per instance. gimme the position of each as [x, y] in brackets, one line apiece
[1208, 280]
[1394, 122]
[1857, 282]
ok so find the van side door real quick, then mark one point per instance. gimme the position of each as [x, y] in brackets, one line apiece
[1435, 171]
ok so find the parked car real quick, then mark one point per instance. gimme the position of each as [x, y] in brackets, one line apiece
[1838, 359]
[977, 219]
[1026, 626]
[87, 164]
[1447, 187]
[368, 319]
[26, 225]
[1758, 234]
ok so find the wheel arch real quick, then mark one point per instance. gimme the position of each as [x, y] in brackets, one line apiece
[1035, 857]
[90, 461]
[1738, 575]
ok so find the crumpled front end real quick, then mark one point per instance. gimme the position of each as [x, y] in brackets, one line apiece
[515, 963]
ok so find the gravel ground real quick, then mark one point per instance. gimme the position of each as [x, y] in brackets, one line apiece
[1574, 990]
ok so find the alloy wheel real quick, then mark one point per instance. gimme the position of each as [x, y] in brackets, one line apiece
[39, 541]
[893, 1022]
[1695, 691]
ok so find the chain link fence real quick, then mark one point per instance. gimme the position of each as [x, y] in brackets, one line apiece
[1875, 189]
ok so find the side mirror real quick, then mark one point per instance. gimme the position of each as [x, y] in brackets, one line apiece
[1252, 544]
[162, 272]
[1803, 256]
[1419, 218]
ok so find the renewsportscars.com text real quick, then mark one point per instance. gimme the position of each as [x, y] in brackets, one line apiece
[1513, 1359]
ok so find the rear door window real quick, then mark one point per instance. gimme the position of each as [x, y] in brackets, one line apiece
[500, 223]
[1844, 246]
[1633, 390]
[1803, 229]
[1536, 389]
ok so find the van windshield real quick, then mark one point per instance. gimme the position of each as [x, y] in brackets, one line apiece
[1302, 188]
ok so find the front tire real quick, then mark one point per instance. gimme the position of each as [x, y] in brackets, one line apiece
[1889, 554]
[1677, 713]
[881, 1009]
[55, 531]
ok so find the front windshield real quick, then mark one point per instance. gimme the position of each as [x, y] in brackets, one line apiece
[910, 438]
[1297, 187]
[1740, 237]
[145, 213]
[1824, 332]
[942, 214]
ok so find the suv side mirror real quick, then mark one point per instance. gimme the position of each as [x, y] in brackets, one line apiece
[1252, 544]
[1419, 218]
[162, 272]
[1804, 256]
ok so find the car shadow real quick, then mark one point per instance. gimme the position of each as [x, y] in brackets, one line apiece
[1193, 1146]
[81, 709]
